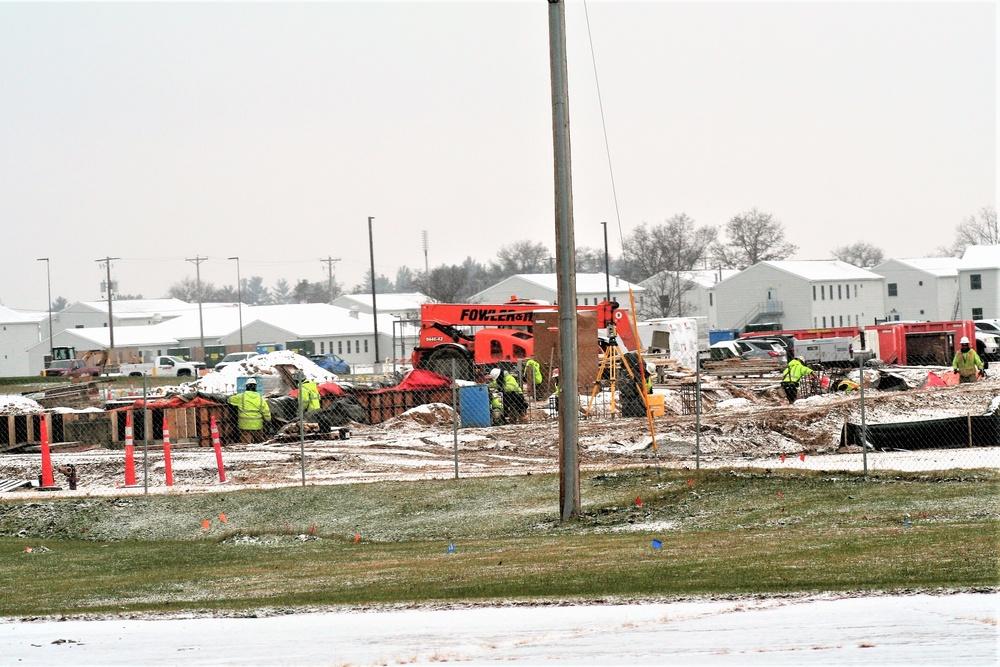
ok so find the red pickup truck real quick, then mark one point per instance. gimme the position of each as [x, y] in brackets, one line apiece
[71, 368]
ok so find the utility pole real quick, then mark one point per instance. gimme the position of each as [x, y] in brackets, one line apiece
[330, 261]
[371, 253]
[239, 298]
[111, 318]
[569, 466]
[197, 260]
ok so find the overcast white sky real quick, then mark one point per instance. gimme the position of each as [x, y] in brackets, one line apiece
[159, 132]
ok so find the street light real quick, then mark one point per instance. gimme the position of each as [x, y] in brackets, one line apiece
[48, 281]
[239, 298]
[607, 271]
[371, 253]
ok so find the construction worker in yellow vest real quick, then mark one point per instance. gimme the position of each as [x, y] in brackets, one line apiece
[496, 402]
[967, 362]
[794, 371]
[309, 395]
[253, 412]
[533, 374]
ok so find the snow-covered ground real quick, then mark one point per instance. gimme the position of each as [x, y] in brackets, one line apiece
[958, 629]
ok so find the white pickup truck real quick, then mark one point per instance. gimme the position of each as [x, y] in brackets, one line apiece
[164, 367]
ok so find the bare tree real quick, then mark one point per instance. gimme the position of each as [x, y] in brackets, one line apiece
[520, 257]
[978, 229]
[590, 260]
[673, 245]
[753, 236]
[446, 284]
[861, 254]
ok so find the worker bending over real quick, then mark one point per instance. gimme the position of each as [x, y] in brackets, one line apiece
[794, 371]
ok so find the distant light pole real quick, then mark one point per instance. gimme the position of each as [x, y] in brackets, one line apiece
[607, 270]
[239, 298]
[197, 260]
[371, 253]
[48, 281]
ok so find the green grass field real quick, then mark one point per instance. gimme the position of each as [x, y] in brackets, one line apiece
[721, 532]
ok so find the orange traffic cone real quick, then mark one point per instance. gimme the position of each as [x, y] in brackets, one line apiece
[47, 480]
[218, 452]
[166, 452]
[129, 452]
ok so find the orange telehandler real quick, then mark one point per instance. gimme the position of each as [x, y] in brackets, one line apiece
[482, 334]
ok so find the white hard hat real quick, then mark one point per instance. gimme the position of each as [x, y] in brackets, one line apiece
[964, 341]
[495, 373]
[650, 367]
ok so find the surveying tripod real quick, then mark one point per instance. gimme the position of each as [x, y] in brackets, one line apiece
[610, 359]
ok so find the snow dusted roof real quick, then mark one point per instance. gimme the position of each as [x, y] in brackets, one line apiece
[586, 283]
[11, 316]
[822, 269]
[146, 308]
[386, 302]
[941, 267]
[316, 319]
[981, 257]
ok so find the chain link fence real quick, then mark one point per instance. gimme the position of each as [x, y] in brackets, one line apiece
[736, 413]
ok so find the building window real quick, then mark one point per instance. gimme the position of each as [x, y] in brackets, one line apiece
[814, 292]
[824, 321]
[855, 291]
[839, 294]
[893, 289]
[848, 290]
[822, 292]
[815, 324]
[921, 311]
[366, 344]
[920, 283]
[357, 346]
[977, 313]
[710, 300]
[976, 281]
[348, 347]
[322, 347]
[841, 318]
[340, 347]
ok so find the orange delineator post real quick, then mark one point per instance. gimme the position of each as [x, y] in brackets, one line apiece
[47, 479]
[218, 452]
[129, 452]
[166, 452]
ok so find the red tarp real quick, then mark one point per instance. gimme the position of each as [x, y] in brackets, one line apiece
[421, 380]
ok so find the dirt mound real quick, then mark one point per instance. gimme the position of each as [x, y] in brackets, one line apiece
[431, 414]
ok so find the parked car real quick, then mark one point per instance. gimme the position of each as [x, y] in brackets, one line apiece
[754, 348]
[163, 366]
[71, 368]
[988, 339]
[234, 358]
[331, 362]
[747, 348]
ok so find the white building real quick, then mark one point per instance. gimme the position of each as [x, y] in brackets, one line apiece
[695, 289]
[401, 305]
[18, 332]
[799, 294]
[126, 313]
[923, 288]
[330, 329]
[591, 289]
[979, 283]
